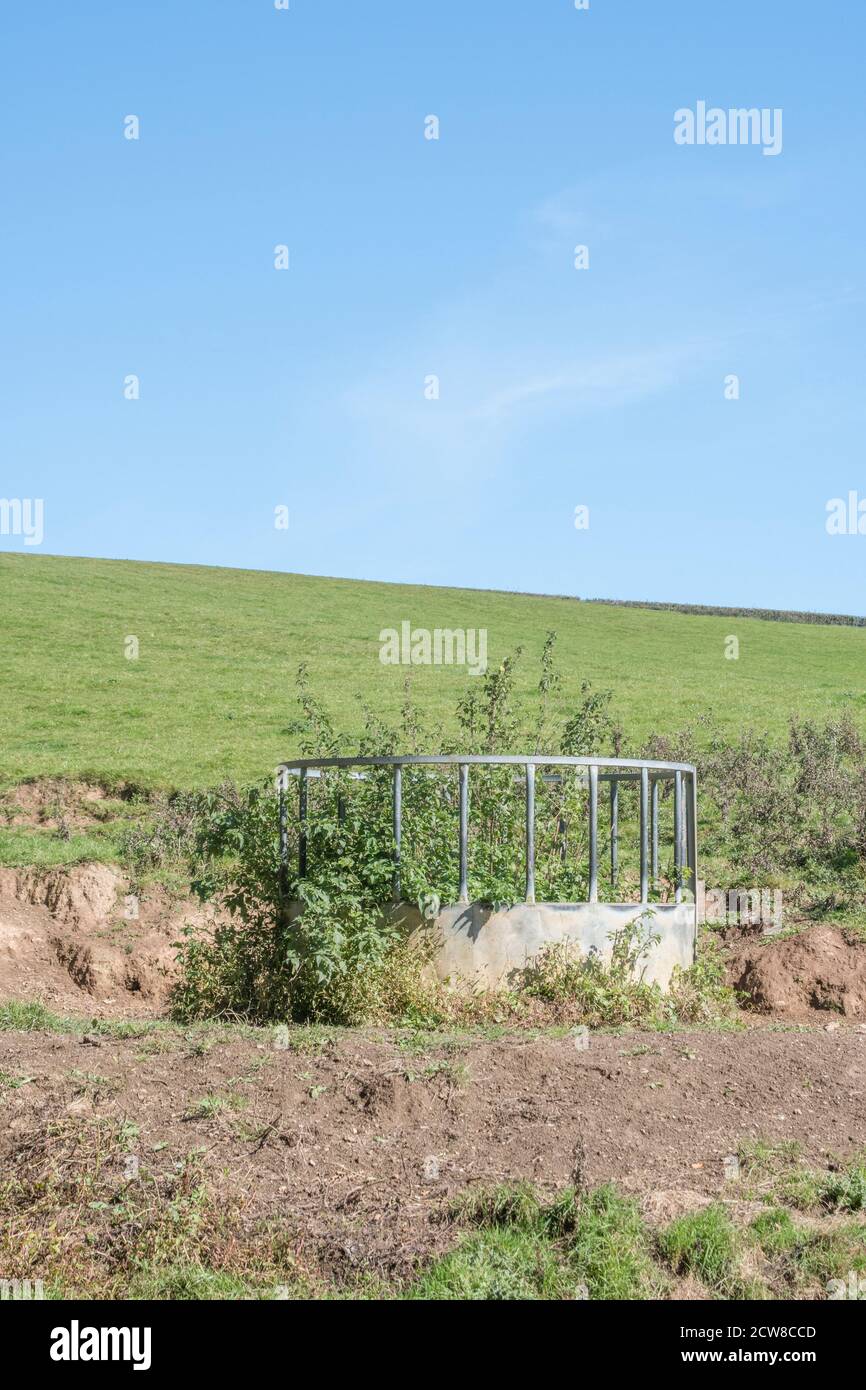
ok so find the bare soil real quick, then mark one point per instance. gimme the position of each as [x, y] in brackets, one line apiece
[78, 941]
[52, 804]
[357, 1146]
[819, 972]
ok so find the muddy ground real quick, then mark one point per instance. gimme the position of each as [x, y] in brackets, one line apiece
[357, 1144]
[357, 1140]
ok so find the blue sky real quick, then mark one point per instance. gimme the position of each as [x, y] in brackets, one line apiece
[409, 257]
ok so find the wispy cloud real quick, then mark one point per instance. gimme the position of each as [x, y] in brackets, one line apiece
[510, 363]
[596, 384]
[487, 404]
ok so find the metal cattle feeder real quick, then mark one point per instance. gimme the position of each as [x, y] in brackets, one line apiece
[483, 945]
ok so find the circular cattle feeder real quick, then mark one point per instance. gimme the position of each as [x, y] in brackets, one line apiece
[634, 813]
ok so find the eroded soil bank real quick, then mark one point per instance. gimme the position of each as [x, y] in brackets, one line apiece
[80, 940]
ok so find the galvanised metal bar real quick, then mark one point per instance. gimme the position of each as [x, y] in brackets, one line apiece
[495, 759]
[644, 835]
[283, 784]
[398, 825]
[593, 833]
[678, 836]
[530, 832]
[463, 896]
[614, 831]
[655, 832]
[302, 817]
[692, 839]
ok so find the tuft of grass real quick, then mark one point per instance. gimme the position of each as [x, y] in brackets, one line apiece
[90, 1083]
[599, 1239]
[775, 1231]
[119, 1027]
[846, 1190]
[207, 1107]
[821, 1256]
[498, 1263]
[32, 1017]
[707, 1245]
[451, 1041]
[23, 847]
[776, 1172]
[764, 1160]
[156, 1046]
[455, 1072]
[305, 1038]
[609, 1247]
[8, 1082]
[802, 1258]
[506, 1204]
[21, 1017]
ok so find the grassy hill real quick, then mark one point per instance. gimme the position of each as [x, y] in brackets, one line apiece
[212, 691]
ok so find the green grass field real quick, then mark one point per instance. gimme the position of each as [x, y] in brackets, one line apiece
[212, 691]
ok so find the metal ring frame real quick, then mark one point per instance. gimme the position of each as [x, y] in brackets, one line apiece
[647, 772]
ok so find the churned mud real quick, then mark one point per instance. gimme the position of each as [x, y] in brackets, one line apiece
[356, 1142]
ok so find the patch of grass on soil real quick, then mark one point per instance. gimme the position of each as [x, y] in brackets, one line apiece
[593, 1245]
[706, 1244]
[775, 1172]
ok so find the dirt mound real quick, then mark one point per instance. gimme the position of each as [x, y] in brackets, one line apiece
[818, 971]
[79, 940]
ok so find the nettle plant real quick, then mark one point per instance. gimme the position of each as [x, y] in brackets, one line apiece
[317, 945]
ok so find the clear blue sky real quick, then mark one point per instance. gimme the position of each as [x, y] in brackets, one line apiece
[409, 257]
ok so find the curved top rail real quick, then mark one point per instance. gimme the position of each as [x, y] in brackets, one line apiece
[494, 759]
[647, 771]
